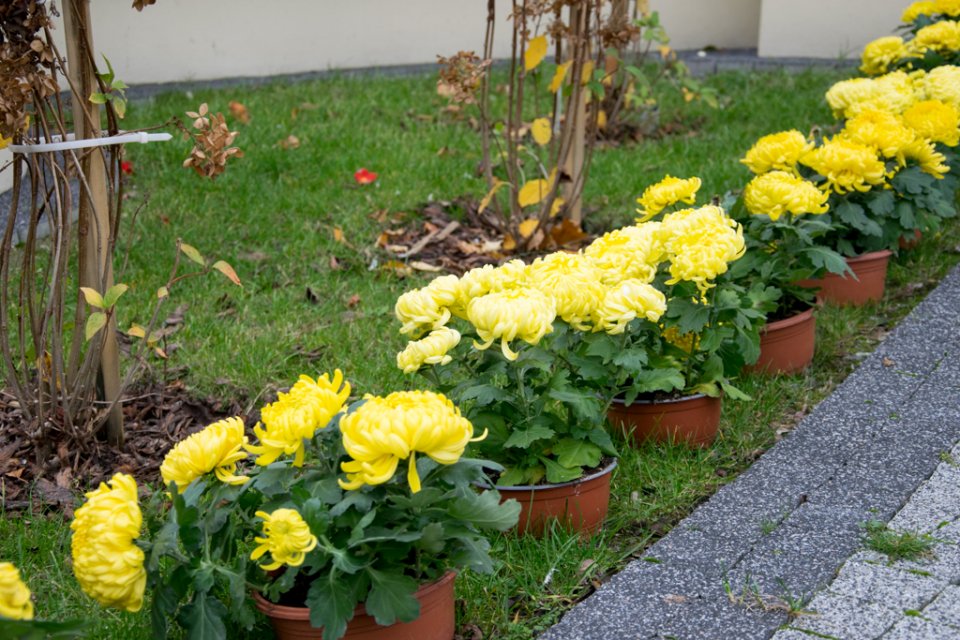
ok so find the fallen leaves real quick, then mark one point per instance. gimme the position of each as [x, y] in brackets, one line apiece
[362, 176]
[239, 112]
[290, 142]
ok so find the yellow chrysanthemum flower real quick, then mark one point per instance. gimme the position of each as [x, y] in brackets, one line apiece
[383, 431]
[430, 350]
[574, 283]
[15, 603]
[627, 301]
[685, 341]
[942, 83]
[525, 314]
[893, 92]
[488, 279]
[925, 154]
[917, 9]
[939, 36]
[5, 142]
[297, 415]
[881, 130]
[879, 54]
[934, 120]
[700, 244]
[846, 165]
[777, 152]
[286, 536]
[665, 193]
[947, 7]
[627, 253]
[216, 448]
[421, 310]
[106, 562]
[778, 192]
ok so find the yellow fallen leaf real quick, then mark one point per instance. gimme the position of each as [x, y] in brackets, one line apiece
[535, 53]
[528, 226]
[541, 131]
[338, 234]
[532, 192]
[587, 72]
[136, 331]
[559, 76]
[557, 205]
[509, 244]
[497, 183]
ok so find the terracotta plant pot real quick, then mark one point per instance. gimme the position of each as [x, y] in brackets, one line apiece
[694, 419]
[870, 275]
[786, 346]
[580, 505]
[911, 241]
[436, 621]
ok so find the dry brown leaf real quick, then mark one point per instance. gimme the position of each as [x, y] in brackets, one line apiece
[674, 598]
[353, 301]
[424, 266]
[239, 111]
[887, 362]
[398, 268]
[338, 235]
[290, 142]
[397, 248]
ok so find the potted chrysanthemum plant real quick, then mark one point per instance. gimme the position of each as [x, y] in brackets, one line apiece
[318, 526]
[785, 231]
[673, 372]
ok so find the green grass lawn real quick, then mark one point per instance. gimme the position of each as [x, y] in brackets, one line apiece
[273, 215]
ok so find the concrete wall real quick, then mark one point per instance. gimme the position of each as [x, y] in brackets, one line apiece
[694, 24]
[825, 28]
[6, 177]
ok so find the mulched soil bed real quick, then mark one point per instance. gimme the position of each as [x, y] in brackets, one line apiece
[35, 473]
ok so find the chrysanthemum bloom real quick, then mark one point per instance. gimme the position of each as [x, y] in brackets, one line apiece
[420, 311]
[924, 153]
[665, 193]
[383, 431]
[15, 603]
[942, 83]
[947, 7]
[627, 301]
[286, 536]
[847, 165]
[700, 244]
[939, 36]
[628, 253]
[777, 152]
[881, 130]
[572, 281]
[216, 448]
[778, 192]
[893, 92]
[879, 54]
[488, 279]
[685, 341]
[917, 9]
[525, 314]
[430, 350]
[934, 120]
[296, 416]
[106, 562]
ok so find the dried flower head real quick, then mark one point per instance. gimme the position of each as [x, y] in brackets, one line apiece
[211, 143]
[460, 76]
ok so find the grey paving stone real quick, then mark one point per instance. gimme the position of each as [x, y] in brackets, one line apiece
[935, 502]
[911, 628]
[846, 618]
[886, 586]
[946, 608]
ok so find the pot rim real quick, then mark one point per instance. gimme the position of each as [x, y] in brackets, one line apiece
[789, 321]
[687, 398]
[286, 611]
[542, 487]
[871, 255]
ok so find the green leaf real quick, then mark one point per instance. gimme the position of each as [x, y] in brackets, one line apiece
[881, 203]
[523, 438]
[203, 578]
[824, 258]
[331, 601]
[906, 216]
[473, 552]
[484, 394]
[113, 294]
[632, 360]
[601, 438]
[652, 380]
[203, 618]
[98, 98]
[391, 597]
[692, 317]
[119, 105]
[40, 629]
[93, 298]
[95, 322]
[577, 453]
[433, 540]
[558, 473]
[855, 216]
[192, 253]
[584, 403]
[485, 511]
[162, 609]
[732, 392]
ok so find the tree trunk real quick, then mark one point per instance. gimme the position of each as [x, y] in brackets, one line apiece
[95, 252]
[577, 112]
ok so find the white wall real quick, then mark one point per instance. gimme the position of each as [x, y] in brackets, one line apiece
[6, 177]
[825, 28]
[694, 24]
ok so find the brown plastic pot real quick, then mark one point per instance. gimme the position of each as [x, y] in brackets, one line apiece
[786, 346]
[866, 284]
[580, 505]
[693, 420]
[436, 621]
